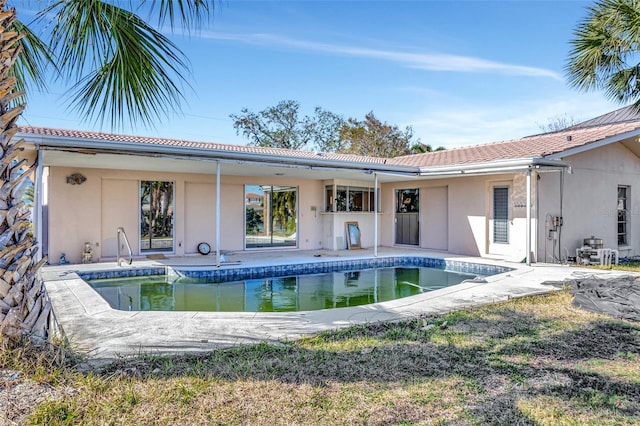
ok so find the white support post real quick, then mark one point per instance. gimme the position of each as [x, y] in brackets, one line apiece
[528, 238]
[37, 213]
[375, 215]
[218, 214]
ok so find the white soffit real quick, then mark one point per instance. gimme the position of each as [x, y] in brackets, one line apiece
[173, 165]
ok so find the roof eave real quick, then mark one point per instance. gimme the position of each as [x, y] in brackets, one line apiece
[593, 145]
[494, 167]
[124, 147]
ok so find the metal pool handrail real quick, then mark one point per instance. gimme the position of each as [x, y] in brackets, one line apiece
[126, 241]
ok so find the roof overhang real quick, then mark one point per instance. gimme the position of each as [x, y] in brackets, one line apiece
[494, 167]
[123, 155]
[626, 138]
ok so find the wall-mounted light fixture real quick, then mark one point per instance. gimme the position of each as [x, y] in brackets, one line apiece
[76, 179]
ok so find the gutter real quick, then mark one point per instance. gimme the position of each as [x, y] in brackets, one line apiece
[122, 147]
[493, 167]
[71, 144]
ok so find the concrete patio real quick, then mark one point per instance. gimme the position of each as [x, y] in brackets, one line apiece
[93, 328]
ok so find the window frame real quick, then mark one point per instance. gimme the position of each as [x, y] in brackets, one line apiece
[343, 200]
[501, 219]
[270, 189]
[172, 208]
[626, 201]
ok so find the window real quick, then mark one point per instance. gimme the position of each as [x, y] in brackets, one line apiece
[341, 199]
[270, 216]
[501, 215]
[328, 190]
[407, 200]
[623, 215]
[356, 201]
[156, 216]
[349, 199]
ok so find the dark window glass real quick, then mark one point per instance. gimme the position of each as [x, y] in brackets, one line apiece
[623, 216]
[501, 215]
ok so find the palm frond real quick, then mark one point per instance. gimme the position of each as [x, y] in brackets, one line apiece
[605, 50]
[33, 61]
[124, 69]
[191, 13]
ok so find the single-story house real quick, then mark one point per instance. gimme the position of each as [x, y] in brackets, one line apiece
[534, 198]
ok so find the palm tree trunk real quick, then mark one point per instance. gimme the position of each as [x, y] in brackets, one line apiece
[24, 307]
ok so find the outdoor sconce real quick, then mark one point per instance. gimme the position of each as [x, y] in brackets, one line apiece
[76, 179]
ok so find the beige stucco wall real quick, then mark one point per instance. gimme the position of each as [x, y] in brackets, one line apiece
[335, 229]
[590, 199]
[74, 215]
[91, 212]
[310, 194]
[109, 199]
[468, 221]
[334, 236]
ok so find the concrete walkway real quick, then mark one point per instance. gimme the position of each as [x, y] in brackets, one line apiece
[100, 332]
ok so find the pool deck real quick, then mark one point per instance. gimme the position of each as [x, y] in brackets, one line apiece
[93, 328]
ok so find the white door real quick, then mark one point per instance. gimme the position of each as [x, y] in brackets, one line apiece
[435, 218]
[500, 220]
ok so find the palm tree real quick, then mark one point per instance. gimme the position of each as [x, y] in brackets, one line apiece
[123, 70]
[605, 51]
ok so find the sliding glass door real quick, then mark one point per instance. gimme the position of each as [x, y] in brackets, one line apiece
[271, 216]
[156, 216]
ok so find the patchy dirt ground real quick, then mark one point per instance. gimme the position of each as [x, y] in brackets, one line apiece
[525, 361]
[19, 395]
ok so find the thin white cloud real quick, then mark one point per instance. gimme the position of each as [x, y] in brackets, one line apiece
[452, 124]
[424, 61]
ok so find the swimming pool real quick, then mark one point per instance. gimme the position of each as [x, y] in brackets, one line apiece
[93, 325]
[306, 292]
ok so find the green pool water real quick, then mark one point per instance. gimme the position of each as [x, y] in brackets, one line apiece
[281, 294]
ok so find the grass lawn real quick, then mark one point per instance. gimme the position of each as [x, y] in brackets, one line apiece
[535, 360]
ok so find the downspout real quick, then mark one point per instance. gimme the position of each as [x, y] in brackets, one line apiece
[37, 217]
[561, 217]
[375, 215]
[528, 238]
[538, 221]
[218, 214]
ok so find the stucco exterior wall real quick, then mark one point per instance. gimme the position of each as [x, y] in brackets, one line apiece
[309, 225]
[334, 223]
[91, 212]
[467, 218]
[75, 213]
[335, 229]
[455, 213]
[590, 200]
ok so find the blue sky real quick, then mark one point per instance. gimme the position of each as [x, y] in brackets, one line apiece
[458, 72]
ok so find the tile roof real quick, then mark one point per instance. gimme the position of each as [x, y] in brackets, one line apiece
[204, 146]
[537, 146]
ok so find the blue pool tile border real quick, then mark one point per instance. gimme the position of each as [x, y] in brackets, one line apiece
[244, 273]
[122, 273]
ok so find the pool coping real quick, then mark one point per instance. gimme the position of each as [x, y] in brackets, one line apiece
[98, 331]
[236, 272]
